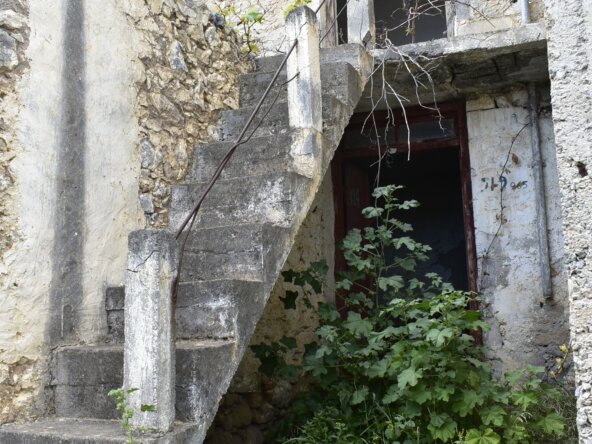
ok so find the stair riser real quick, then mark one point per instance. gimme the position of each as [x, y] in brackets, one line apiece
[205, 310]
[256, 199]
[89, 398]
[276, 121]
[258, 156]
[339, 79]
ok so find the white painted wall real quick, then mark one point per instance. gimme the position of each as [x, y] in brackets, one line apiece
[112, 155]
[27, 265]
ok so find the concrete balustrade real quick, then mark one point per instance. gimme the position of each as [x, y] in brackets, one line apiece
[149, 351]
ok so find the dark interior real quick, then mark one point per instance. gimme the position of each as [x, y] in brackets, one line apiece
[433, 178]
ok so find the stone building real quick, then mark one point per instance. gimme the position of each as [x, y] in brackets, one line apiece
[115, 114]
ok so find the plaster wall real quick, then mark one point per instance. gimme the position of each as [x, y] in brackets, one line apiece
[29, 133]
[569, 31]
[112, 170]
[525, 326]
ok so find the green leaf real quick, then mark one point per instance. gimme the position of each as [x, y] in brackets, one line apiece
[148, 408]
[409, 377]
[439, 337]
[443, 392]
[357, 325]
[378, 369]
[469, 400]
[290, 300]
[524, 399]
[552, 424]
[392, 395]
[493, 415]
[474, 436]
[359, 395]
[442, 427]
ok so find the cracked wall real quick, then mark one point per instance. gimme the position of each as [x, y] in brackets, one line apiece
[526, 327]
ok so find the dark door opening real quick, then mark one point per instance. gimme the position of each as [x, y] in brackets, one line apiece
[436, 172]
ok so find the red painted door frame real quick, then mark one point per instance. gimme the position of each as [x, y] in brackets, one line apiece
[455, 111]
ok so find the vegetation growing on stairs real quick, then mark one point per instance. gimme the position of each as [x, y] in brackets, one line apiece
[398, 363]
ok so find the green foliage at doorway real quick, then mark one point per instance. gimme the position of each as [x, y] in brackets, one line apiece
[400, 365]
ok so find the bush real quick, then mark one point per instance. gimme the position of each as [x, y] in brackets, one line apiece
[402, 366]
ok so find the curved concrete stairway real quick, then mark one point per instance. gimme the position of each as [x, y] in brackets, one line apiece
[233, 258]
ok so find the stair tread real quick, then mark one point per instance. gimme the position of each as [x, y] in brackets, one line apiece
[184, 344]
[72, 430]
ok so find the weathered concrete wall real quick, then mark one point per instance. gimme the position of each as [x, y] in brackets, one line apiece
[526, 328]
[479, 16]
[569, 30]
[254, 401]
[189, 73]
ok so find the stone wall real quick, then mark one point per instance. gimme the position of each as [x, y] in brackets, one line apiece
[255, 402]
[190, 70]
[569, 33]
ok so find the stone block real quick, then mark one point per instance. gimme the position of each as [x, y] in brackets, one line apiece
[8, 56]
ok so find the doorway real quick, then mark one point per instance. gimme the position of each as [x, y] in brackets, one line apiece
[427, 153]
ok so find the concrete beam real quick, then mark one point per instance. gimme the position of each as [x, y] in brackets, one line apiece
[149, 351]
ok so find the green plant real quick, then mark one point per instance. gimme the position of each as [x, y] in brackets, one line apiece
[295, 5]
[121, 397]
[401, 366]
[246, 20]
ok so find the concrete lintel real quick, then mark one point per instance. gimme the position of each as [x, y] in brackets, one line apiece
[305, 103]
[149, 351]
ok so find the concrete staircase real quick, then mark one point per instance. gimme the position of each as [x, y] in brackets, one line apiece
[233, 258]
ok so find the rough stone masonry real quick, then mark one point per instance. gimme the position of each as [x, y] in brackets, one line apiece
[569, 25]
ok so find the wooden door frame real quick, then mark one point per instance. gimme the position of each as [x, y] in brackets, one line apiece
[454, 110]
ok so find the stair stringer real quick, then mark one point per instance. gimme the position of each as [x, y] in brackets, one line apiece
[278, 241]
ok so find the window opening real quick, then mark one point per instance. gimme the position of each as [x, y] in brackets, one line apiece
[410, 21]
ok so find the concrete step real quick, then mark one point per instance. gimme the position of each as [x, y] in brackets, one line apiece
[265, 198]
[205, 310]
[84, 375]
[274, 118]
[233, 252]
[86, 431]
[258, 156]
[339, 79]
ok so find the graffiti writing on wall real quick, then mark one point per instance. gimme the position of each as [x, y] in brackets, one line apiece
[491, 184]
